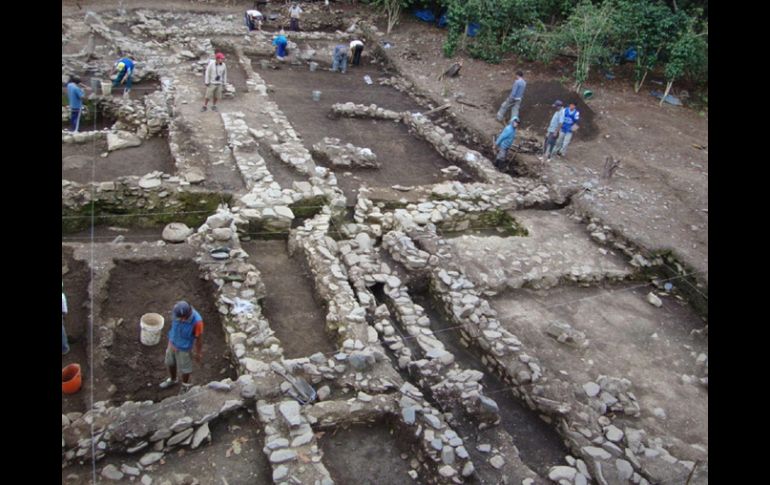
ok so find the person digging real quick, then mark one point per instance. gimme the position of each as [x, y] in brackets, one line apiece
[185, 340]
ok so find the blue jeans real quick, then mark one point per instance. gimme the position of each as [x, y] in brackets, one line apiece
[74, 119]
[294, 25]
[64, 345]
[280, 50]
[121, 74]
[340, 62]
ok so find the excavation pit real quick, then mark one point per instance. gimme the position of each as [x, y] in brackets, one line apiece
[75, 278]
[106, 234]
[367, 454]
[290, 305]
[83, 163]
[404, 159]
[138, 287]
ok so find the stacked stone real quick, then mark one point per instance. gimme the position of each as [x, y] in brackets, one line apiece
[353, 110]
[348, 155]
[287, 435]
[82, 136]
[403, 250]
[157, 113]
[151, 428]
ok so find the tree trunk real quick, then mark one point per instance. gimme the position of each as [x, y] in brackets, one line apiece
[638, 85]
[665, 93]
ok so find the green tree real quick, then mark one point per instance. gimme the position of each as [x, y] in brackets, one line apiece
[649, 27]
[586, 33]
[688, 55]
[392, 9]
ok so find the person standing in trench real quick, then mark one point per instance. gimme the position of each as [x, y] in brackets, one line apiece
[185, 341]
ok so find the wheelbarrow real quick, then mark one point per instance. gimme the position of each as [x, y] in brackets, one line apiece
[300, 390]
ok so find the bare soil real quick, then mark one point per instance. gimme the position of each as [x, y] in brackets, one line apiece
[404, 159]
[78, 160]
[367, 455]
[290, 305]
[76, 277]
[136, 288]
[104, 234]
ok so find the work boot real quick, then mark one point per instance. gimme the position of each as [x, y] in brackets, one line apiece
[167, 383]
[214, 108]
[203, 108]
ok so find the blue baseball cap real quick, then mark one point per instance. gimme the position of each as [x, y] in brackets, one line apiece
[182, 309]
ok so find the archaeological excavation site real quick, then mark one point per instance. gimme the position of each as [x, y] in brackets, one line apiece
[382, 305]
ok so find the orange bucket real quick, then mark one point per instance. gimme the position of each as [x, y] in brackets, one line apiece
[71, 379]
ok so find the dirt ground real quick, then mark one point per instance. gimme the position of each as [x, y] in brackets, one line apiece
[653, 347]
[105, 234]
[367, 455]
[136, 288]
[234, 456]
[76, 276]
[290, 305]
[78, 158]
[404, 159]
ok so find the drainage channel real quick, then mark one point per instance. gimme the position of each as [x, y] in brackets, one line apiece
[539, 445]
[290, 305]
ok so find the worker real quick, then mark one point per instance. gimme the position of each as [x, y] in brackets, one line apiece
[294, 13]
[280, 41]
[340, 58]
[65, 346]
[356, 48]
[513, 101]
[125, 71]
[214, 78]
[75, 98]
[254, 19]
[504, 142]
[569, 125]
[553, 130]
[185, 341]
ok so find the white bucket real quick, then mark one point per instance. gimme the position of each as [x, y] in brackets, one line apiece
[313, 66]
[316, 95]
[264, 63]
[152, 326]
[106, 88]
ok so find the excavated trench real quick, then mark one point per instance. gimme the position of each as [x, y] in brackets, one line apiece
[404, 159]
[106, 234]
[75, 279]
[368, 454]
[83, 162]
[138, 287]
[290, 305]
[539, 445]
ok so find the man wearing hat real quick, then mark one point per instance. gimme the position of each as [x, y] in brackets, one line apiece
[215, 77]
[125, 70]
[184, 339]
[553, 130]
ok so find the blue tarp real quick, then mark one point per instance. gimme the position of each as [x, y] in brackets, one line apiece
[669, 99]
[473, 29]
[630, 54]
[442, 21]
[425, 15]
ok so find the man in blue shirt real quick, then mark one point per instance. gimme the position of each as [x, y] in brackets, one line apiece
[504, 142]
[185, 336]
[513, 101]
[569, 125]
[280, 41]
[340, 58]
[75, 99]
[125, 69]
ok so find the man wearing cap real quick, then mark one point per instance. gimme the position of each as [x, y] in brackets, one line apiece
[569, 125]
[75, 99]
[215, 77]
[184, 338]
[294, 12]
[125, 70]
[504, 142]
[553, 130]
[513, 101]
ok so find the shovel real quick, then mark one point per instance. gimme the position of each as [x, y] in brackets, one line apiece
[302, 391]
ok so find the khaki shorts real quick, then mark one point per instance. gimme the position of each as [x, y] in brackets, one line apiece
[180, 359]
[214, 91]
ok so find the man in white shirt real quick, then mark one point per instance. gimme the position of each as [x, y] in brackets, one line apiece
[254, 20]
[214, 78]
[356, 47]
[294, 12]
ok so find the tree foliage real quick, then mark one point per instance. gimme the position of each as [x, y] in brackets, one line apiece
[392, 9]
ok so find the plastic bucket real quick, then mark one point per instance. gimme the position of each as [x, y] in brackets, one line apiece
[95, 84]
[316, 95]
[313, 66]
[264, 63]
[588, 94]
[106, 88]
[71, 379]
[151, 325]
